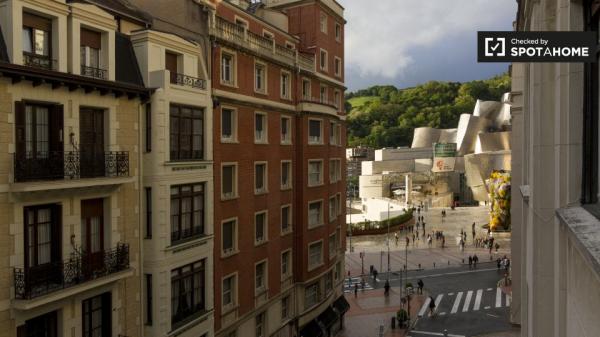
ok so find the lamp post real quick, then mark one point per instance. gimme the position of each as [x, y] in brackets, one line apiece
[388, 241]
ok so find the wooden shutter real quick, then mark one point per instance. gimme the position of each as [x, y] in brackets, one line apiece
[171, 62]
[37, 22]
[56, 232]
[20, 128]
[56, 128]
[91, 39]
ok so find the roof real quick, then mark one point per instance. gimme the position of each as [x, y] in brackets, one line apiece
[3, 50]
[120, 7]
[127, 69]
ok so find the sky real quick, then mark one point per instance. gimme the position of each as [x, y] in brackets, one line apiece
[408, 42]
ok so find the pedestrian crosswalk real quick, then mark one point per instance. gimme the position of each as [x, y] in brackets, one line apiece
[471, 300]
[349, 285]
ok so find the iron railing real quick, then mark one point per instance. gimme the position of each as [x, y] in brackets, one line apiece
[181, 79]
[41, 280]
[38, 61]
[57, 165]
[179, 236]
[94, 72]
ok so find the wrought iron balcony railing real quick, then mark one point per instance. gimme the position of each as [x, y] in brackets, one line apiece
[57, 165]
[38, 61]
[181, 79]
[94, 72]
[41, 280]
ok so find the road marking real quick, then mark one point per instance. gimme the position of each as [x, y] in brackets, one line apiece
[492, 315]
[434, 333]
[453, 273]
[478, 300]
[456, 303]
[498, 297]
[424, 307]
[467, 301]
[487, 307]
[450, 294]
[442, 313]
[490, 289]
[438, 299]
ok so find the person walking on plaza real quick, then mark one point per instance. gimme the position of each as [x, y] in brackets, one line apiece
[431, 306]
[386, 288]
[355, 290]
[443, 241]
[420, 284]
[408, 241]
[396, 236]
[498, 263]
[470, 261]
[475, 260]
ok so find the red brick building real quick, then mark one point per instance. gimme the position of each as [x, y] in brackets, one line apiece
[279, 149]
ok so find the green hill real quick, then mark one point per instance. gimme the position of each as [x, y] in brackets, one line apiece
[384, 116]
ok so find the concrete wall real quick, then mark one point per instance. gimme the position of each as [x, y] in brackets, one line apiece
[377, 167]
[403, 153]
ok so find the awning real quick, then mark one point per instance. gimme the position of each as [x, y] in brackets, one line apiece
[328, 317]
[312, 329]
[341, 305]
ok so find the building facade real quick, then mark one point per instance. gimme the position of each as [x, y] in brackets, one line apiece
[70, 107]
[277, 70]
[556, 231]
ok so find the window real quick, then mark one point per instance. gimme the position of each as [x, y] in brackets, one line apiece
[229, 286]
[229, 236]
[148, 191]
[37, 41]
[148, 278]
[260, 128]
[41, 326]
[187, 291]
[306, 89]
[332, 209]
[286, 219]
[335, 172]
[260, 78]
[332, 246]
[228, 125]
[286, 130]
[337, 66]
[229, 181]
[328, 282]
[315, 255]
[96, 316]
[90, 45]
[172, 64]
[286, 175]
[268, 35]
[311, 295]
[187, 133]
[260, 178]
[260, 325]
[337, 101]
[285, 85]
[315, 172]
[42, 237]
[323, 23]
[241, 22]
[338, 202]
[285, 308]
[286, 264]
[315, 214]
[290, 45]
[338, 271]
[323, 59]
[323, 94]
[148, 112]
[260, 227]
[338, 32]
[187, 212]
[227, 69]
[315, 129]
[333, 133]
[260, 273]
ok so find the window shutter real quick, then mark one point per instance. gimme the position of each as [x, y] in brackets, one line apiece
[20, 128]
[91, 39]
[171, 62]
[37, 22]
[56, 128]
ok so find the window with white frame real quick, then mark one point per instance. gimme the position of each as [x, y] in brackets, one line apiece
[332, 209]
[228, 291]
[337, 66]
[260, 273]
[285, 308]
[306, 89]
[261, 328]
[241, 22]
[286, 264]
[286, 174]
[328, 282]
[227, 68]
[323, 23]
[285, 84]
[228, 125]
[286, 219]
[338, 32]
[315, 172]
[323, 94]
[338, 271]
[260, 227]
[333, 130]
[311, 295]
[229, 236]
[260, 178]
[260, 128]
[290, 45]
[286, 130]
[260, 77]
[229, 181]
[268, 35]
[323, 59]
[315, 214]
[339, 135]
[335, 172]
[332, 246]
[315, 254]
[315, 131]
[337, 99]
[338, 203]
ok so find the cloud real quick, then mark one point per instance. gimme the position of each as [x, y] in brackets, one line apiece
[383, 35]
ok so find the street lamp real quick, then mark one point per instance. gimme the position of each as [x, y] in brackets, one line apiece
[388, 241]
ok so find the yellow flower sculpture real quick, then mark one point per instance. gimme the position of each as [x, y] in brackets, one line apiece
[499, 190]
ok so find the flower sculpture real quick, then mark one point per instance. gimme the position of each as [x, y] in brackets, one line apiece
[499, 187]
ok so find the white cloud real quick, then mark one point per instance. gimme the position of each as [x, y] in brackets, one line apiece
[380, 34]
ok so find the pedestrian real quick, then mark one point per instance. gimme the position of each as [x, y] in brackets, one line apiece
[498, 262]
[396, 236]
[475, 260]
[473, 235]
[375, 274]
[423, 226]
[355, 290]
[420, 284]
[431, 306]
[443, 241]
[497, 247]
[507, 263]
[470, 261]
[386, 288]
[408, 241]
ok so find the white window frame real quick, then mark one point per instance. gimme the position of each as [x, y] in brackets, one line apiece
[234, 250]
[287, 140]
[317, 295]
[315, 141]
[290, 45]
[234, 124]
[323, 94]
[246, 23]
[323, 66]
[265, 188]
[268, 35]
[234, 183]
[338, 32]
[265, 277]
[308, 94]
[286, 298]
[323, 22]
[339, 202]
[335, 167]
[287, 87]
[289, 273]
[234, 287]
[321, 220]
[290, 228]
[265, 238]
[264, 81]
[233, 71]
[320, 182]
[332, 253]
[290, 172]
[332, 206]
[265, 138]
[337, 65]
[263, 324]
[337, 99]
[332, 133]
[312, 266]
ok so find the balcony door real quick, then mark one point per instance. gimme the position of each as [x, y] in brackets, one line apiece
[91, 139]
[92, 235]
[42, 326]
[42, 247]
[96, 316]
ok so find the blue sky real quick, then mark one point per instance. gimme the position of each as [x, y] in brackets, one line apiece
[407, 42]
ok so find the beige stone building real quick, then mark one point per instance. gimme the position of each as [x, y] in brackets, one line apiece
[70, 112]
[556, 231]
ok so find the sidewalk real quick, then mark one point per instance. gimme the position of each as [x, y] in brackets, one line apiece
[371, 309]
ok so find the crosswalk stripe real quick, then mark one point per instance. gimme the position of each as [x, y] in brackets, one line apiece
[478, 300]
[498, 297]
[456, 302]
[424, 307]
[467, 300]
[438, 299]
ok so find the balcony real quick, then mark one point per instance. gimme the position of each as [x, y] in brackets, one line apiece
[315, 104]
[59, 165]
[31, 283]
[39, 61]
[98, 73]
[189, 81]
